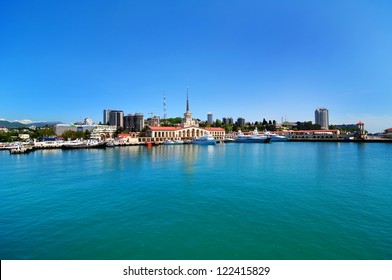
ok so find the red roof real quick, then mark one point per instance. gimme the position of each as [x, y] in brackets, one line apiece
[360, 123]
[389, 129]
[214, 128]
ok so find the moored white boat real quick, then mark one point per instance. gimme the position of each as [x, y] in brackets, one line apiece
[228, 140]
[79, 144]
[173, 142]
[20, 149]
[275, 137]
[110, 144]
[49, 143]
[255, 137]
[205, 140]
[168, 142]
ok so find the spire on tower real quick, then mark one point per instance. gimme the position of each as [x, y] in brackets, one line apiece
[187, 100]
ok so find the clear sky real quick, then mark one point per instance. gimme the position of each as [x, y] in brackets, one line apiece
[66, 60]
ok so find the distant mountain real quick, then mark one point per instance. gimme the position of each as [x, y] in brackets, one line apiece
[9, 124]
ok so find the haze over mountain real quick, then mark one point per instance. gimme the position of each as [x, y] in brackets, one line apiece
[26, 123]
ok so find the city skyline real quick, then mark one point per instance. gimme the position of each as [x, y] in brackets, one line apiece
[68, 60]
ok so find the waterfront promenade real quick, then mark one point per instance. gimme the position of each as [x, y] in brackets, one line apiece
[28, 147]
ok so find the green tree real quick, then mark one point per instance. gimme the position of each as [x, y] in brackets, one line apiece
[218, 123]
[69, 134]
[42, 132]
[80, 134]
[5, 136]
[171, 121]
[228, 128]
[307, 126]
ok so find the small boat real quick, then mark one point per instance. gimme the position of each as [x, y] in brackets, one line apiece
[255, 137]
[110, 144]
[19, 149]
[205, 140]
[168, 142]
[228, 140]
[173, 142]
[150, 144]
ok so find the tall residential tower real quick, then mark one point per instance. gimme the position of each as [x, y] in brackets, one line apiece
[322, 117]
[210, 118]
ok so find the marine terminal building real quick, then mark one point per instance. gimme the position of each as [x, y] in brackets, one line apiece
[188, 130]
[161, 133]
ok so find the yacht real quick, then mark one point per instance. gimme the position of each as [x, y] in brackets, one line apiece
[275, 137]
[80, 144]
[255, 137]
[205, 140]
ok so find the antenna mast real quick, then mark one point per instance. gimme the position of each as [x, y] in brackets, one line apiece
[164, 105]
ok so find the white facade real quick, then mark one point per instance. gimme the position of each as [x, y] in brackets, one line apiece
[97, 131]
[24, 136]
[182, 133]
[103, 131]
[88, 121]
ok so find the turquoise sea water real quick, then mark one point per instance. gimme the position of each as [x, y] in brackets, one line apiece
[232, 201]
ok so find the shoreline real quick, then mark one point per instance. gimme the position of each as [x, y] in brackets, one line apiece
[343, 140]
[31, 149]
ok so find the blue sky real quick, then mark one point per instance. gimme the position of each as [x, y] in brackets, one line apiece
[67, 60]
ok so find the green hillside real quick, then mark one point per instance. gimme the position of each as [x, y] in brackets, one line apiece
[8, 124]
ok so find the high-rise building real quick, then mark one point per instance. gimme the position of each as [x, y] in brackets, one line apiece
[210, 118]
[139, 121]
[134, 122]
[88, 121]
[227, 120]
[116, 118]
[240, 122]
[129, 122]
[106, 116]
[322, 117]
